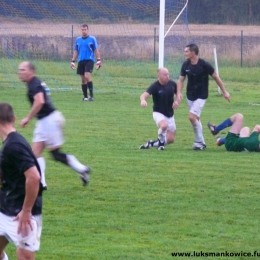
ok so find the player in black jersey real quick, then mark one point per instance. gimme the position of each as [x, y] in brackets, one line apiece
[162, 91]
[21, 191]
[49, 127]
[197, 71]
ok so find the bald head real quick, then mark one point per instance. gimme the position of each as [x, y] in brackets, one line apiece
[163, 75]
[26, 71]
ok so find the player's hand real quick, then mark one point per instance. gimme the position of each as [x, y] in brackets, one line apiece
[98, 64]
[24, 122]
[72, 65]
[226, 96]
[143, 103]
[175, 105]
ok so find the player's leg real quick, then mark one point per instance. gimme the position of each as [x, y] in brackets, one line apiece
[3, 243]
[54, 143]
[84, 83]
[88, 70]
[38, 146]
[171, 130]
[237, 123]
[195, 109]
[245, 132]
[215, 129]
[161, 122]
[27, 246]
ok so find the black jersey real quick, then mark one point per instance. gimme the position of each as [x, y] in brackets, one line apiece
[163, 97]
[198, 78]
[35, 86]
[16, 157]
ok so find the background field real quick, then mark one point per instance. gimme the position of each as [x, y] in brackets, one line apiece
[143, 204]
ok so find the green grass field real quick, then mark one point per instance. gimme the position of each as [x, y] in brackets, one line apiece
[143, 204]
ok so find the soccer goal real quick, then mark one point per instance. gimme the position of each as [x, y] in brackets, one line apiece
[129, 33]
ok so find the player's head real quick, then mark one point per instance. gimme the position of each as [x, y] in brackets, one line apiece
[193, 48]
[84, 30]
[191, 51]
[6, 114]
[26, 71]
[163, 75]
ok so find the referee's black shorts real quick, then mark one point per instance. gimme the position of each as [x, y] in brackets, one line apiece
[85, 66]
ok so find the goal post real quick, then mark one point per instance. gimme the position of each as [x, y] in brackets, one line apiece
[179, 10]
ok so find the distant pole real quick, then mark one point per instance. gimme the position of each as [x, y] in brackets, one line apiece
[216, 66]
[72, 39]
[241, 48]
[161, 33]
[154, 44]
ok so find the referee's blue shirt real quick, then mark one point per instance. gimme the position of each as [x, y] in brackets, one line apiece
[86, 48]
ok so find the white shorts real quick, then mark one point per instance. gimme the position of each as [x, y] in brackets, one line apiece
[9, 227]
[196, 106]
[157, 117]
[49, 130]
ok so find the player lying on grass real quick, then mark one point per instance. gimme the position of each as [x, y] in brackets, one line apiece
[238, 138]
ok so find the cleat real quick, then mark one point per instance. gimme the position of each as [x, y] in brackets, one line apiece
[161, 148]
[85, 99]
[85, 176]
[91, 99]
[212, 128]
[147, 145]
[220, 141]
[199, 146]
[44, 187]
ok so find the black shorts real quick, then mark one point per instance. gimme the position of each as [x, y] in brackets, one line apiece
[85, 66]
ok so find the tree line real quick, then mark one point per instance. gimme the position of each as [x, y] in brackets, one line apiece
[242, 12]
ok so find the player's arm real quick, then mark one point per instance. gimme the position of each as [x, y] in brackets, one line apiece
[221, 85]
[36, 107]
[74, 56]
[143, 98]
[99, 62]
[180, 84]
[32, 180]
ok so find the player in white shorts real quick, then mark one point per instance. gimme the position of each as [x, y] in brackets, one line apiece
[197, 71]
[21, 191]
[48, 132]
[162, 91]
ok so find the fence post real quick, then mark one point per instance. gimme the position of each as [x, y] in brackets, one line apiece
[241, 49]
[154, 44]
[72, 40]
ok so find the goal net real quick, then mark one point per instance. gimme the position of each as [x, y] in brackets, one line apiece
[127, 32]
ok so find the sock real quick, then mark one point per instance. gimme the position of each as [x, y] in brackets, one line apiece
[223, 140]
[224, 125]
[90, 87]
[42, 164]
[197, 128]
[85, 90]
[5, 256]
[75, 164]
[161, 135]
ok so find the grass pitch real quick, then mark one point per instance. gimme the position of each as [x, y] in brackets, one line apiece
[143, 204]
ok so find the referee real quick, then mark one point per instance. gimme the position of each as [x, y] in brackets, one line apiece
[86, 50]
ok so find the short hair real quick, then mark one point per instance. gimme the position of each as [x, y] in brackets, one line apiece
[31, 66]
[6, 113]
[84, 25]
[193, 47]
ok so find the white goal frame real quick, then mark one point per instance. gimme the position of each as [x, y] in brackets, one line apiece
[162, 28]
